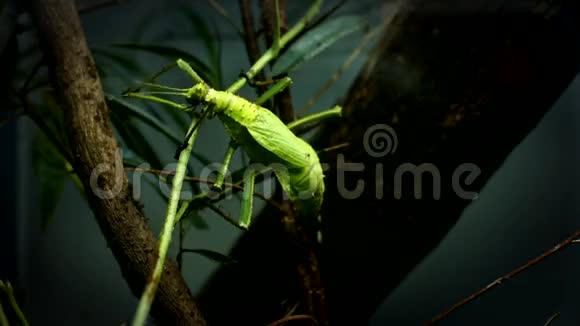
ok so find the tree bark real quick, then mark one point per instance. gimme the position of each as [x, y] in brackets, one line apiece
[457, 82]
[94, 149]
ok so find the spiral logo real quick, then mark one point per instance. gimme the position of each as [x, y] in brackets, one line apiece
[380, 140]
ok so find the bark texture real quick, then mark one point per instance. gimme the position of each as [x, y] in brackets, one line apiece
[94, 149]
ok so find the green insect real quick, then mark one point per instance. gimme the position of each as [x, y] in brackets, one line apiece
[264, 137]
[259, 132]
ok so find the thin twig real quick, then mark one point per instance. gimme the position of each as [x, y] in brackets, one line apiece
[315, 22]
[197, 251]
[332, 148]
[506, 277]
[347, 63]
[226, 216]
[250, 40]
[271, 23]
[294, 317]
[224, 13]
[552, 318]
[273, 18]
[206, 181]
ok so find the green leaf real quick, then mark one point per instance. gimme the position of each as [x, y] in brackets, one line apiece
[211, 41]
[126, 108]
[125, 62]
[194, 219]
[173, 54]
[211, 255]
[317, 40]
[50, 169]
[145, 23]
[132, 136]
[151, 121]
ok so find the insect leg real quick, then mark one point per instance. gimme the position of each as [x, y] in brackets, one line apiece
[248, 198]
[151, 79]
[183, 65]
[219, 181]
[316, 117]
[272, 91]
[190, 132]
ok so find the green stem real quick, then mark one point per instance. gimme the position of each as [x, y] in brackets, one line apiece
[277, 88]
[149, 294]
[219, 181]
[10, 293]
[284, 40]
[165, 237]
[331, 113]
[276, 43]
[3, 319]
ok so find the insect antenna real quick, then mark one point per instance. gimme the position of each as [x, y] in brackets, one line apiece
[151, 80]
[165, 87]
[332, 148]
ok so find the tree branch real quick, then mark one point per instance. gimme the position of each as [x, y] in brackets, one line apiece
[283, 100]
[570, 240]
[94, 149]
[250, 40]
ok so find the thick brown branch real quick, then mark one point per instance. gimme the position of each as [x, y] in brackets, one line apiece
[97, 162]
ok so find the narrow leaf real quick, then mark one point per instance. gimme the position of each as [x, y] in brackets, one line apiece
[129, 109]
[194, 219]
[122, 61]
[50, 169]
[132, 137]
[144, 116]
[317, 40]
[211, 41]
[173, 54]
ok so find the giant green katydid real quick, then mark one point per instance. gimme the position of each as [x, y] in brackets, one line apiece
[263, 136]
